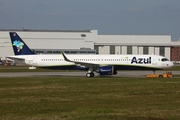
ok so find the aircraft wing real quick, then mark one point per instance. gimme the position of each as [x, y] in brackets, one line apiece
[87, 65]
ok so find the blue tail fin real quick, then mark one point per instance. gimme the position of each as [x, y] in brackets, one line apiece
[19, 46]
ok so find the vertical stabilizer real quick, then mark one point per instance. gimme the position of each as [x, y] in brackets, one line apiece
[19, 46]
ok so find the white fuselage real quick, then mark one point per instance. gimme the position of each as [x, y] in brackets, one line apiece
[148, 61]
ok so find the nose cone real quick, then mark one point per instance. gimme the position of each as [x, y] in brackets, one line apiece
[170, 64]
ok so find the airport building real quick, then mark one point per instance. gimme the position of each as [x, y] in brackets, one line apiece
[175, 51]
[87, 42]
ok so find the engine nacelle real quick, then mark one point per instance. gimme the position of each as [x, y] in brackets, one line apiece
[107, 70]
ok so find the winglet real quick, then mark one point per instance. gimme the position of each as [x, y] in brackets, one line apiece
[65, 58]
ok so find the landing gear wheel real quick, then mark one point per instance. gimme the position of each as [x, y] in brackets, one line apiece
[160, 76]
[90, 75]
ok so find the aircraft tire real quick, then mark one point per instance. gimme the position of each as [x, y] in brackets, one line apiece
[92, 74]
[88, 75]
[160, 76]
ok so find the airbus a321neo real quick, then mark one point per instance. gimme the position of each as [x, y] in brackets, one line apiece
[102, 64]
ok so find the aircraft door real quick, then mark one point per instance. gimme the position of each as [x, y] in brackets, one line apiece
[34, 61]
[154, 61]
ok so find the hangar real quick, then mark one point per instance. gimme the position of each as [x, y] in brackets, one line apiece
[86, 42]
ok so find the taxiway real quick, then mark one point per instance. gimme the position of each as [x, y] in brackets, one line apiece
[128, 74]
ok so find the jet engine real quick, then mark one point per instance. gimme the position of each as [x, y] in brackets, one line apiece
[107, 70]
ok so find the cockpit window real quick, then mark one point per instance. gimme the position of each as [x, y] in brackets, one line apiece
[164, 59]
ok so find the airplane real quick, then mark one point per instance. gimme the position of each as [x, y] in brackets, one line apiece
[102, 64]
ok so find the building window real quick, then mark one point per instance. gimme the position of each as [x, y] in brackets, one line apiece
[49, 51]
[93, 52]
[97, 49]
[129, 49]
[38, 52]
[112, 49]
[145, 50]
[83, 35]
[56, 52]
[74, 52]
[162, 51]
[67, 52]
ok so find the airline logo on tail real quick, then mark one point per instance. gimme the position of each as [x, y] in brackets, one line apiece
[19, 45]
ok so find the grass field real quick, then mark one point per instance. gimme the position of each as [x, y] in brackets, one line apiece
[47, 98]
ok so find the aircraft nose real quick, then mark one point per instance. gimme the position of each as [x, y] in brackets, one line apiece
[170, 64]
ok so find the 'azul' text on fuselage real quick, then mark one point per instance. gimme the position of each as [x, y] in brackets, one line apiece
[141, 60]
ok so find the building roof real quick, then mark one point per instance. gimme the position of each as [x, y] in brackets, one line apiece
[175, 43]
[31, 30]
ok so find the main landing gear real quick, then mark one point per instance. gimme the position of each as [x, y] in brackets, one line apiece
[90, 73]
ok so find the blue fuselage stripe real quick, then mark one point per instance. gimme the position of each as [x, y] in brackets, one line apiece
[124, 67]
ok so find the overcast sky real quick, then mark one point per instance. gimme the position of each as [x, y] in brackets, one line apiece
[121, 17]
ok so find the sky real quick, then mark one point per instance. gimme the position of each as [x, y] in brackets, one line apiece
[109, 17]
